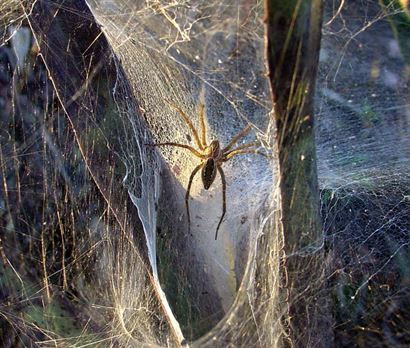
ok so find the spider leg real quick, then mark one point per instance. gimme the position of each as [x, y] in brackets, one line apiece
[242, 152]
[242, 147]
[190, 148]
[191, 178]
[221, 172]
[238, 136]
[202, 121]
[190, 125]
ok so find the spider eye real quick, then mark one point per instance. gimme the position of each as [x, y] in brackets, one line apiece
[208, 173]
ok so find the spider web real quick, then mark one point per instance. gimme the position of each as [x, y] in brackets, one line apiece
[201, 290]
[187, 54]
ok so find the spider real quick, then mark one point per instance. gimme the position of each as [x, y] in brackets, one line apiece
[212, 157]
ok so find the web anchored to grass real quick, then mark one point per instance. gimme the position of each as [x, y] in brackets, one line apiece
[94, 236]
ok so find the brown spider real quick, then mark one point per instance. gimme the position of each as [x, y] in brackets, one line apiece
[212, 157]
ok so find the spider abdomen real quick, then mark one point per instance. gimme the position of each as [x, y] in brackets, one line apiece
[208, 173]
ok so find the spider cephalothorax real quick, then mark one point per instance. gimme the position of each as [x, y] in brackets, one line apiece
[212, 157]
